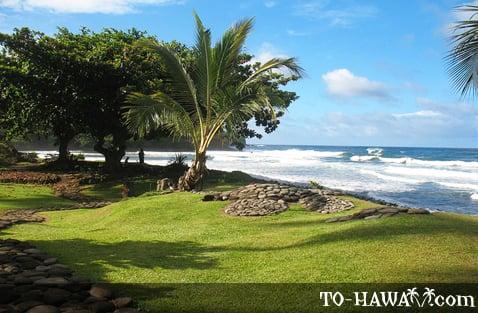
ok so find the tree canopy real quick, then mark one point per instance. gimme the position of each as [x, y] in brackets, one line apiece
[218, 94]
[67, 84]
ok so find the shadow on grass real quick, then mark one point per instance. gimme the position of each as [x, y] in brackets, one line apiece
[33, 202]
[96, 259]
[379, 230]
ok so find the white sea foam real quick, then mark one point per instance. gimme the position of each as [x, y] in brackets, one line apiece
[428, 173]
[412, 161]
[391, 178]
[386, 177]
[375, 151]
[431, 163]
[460, 186]
[363, 158]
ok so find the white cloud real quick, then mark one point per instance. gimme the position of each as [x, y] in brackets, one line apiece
[334, 12]
[435, 124]
[343, 84]
[270, 4]
[82, 6]
[419, 114]
[295, 33]
[266, 52]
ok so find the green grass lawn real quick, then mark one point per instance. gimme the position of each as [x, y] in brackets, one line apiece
[177, 238]
[15, 196]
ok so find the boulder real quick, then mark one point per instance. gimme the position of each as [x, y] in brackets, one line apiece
[122, 302]
[102, 307]
[99, 291]
[26, 305]
[56, 296]
[52, 281]
[44, 309]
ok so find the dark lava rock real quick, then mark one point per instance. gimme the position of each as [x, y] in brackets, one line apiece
[55, 296]
[122, 302]
[99, 291]
[23, 306]
[44, 309]
[52, 281]
[102, 307]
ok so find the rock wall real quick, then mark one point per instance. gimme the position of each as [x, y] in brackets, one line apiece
[273, 198]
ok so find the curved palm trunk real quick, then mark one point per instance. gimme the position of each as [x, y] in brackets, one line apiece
[194, 174]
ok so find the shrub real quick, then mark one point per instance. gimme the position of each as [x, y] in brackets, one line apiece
[179, 160]
[8, 154]
[315, 185]
[31, 157]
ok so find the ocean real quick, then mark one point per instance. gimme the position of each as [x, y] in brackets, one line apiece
[440, 179]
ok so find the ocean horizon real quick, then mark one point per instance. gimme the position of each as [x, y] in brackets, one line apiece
[439, 179]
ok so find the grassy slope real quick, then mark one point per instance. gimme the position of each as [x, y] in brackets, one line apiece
[178, 238]
[13, 196]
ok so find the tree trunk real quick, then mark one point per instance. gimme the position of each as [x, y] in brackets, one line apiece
[63, 153]
[194, 174]
[113, 156]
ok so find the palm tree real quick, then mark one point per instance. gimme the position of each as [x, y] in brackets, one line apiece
[210, 98]
[462, 59]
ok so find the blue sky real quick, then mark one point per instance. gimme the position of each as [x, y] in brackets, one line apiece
[375, 69]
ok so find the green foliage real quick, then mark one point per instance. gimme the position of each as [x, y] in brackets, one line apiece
[211, 96]
[69, 84]
[462, 60]
[179, 161]
[8, 154]
[219, 92]
[314, 184]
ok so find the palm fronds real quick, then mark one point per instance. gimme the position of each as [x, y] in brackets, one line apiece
[462, 59]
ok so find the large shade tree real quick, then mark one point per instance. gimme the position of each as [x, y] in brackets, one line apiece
[71, 83]
[462, 59]
[210, 96]
[41, 87]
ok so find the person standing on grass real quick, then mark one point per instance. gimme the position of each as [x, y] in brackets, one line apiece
[141, 156]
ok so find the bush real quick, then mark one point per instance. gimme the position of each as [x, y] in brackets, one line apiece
[21, 177]
[315, 185]
[8, 154]
[179, 160]
[31, 157]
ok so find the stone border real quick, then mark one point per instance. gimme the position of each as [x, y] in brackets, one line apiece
[272, 198]
[33, 282]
